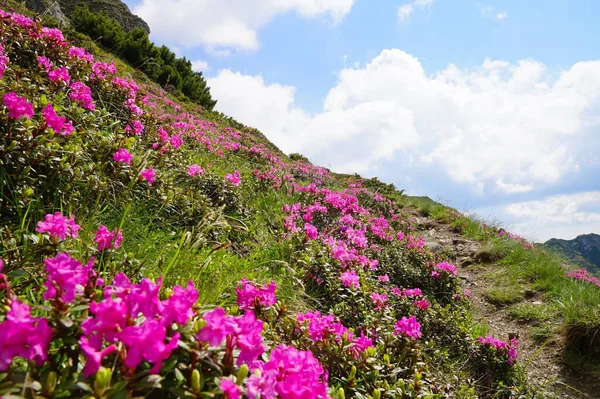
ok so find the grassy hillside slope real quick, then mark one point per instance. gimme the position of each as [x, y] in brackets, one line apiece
[152, 248]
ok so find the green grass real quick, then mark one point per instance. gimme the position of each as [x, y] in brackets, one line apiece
[502, 296]
[532, 313]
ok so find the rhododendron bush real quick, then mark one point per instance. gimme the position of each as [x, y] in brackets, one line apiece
[123, 211]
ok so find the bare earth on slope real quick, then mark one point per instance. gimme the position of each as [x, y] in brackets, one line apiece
[543, 359]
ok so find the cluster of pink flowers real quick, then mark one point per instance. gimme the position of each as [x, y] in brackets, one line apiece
[350, 279]
[45, 63]
[3, 61]
[499, 345]
[57, 123]
[82, 54]
[289, 374]
[584, 275]
[123, 156]
[136, 128]
[234, 178]
[409, 327]
[149, 175]
[107, 239]
[67, 277]
[59, 75]
[241, 332]
[58, 226]
[249, 296]
[102, 70]
[116, 319]
[82, 94]
[421, 304]
[445, 267]
[17, 106]
[379, 300]
[195, 170]
[311, 231]
[24, 336]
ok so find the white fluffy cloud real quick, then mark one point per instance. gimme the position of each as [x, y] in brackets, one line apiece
[199, 66]
[219, 25]
[509, 128]
[491, 12]
[564, 216]
[405, 10]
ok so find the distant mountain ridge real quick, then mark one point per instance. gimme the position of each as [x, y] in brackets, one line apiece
[62, 10]
[584, 250]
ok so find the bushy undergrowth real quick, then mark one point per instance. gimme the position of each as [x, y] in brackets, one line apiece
[129, 222]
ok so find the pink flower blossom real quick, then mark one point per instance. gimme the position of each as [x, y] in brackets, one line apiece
[3, 61]
[230, 389]
[195, 170]
[218, 326]
[17, 106]
[55, 122]
[23, 336]
[384, 278]
[147, 342]
[149, 175]
[234, 178]
[59, 75]
[82, 94]
[447, 267]
[136, 128]
[289, 374]
[67, 277]
[45, 63]
[58, 226]
[249, 296]
[379, 300]
[422, 304]
[122, 156]
[350, 279]
[409, 327]
[107, 240]
[93, 356]
[82, 54]
[311, 231]
[54, 36]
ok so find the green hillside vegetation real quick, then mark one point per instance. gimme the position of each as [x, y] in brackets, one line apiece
[583, 250]
[151, 247]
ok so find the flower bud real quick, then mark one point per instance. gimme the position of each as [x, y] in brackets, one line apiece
[341, 394]
[352, 373]
[196, 380]
[242, 374]
[376, 394]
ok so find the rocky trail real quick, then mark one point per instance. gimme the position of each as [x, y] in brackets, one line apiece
[543, 359]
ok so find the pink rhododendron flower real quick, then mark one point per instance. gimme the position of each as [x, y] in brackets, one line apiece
[23, 336]
[54, 36]
[350, 279]
[409, 327]
[379, 300]
[195, 170]
[135, 128]
[55, 122]
[59, 75]
[67, 277]
[82, 54]
[311, 231]
[45, 63]
[17, 106]
[149, 175]
[289, 374]
[58, 226]
[447, 267]
[421, 304]
[93, 357]
[249, 296]
[218, 326]
[122, 156]
[178, 308]
[3, 61]
[101, 70]
[107, 240]
[82, 94]
[230, 389]
[147, 342]
[234, 178]
[499, 345]
[384, 279]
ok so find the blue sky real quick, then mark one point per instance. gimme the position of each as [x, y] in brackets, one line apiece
[492, 106]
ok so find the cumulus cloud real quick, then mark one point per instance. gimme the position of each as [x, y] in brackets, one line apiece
[405, 10]
[221, 25]
[200, 66]
[562, 216]
[499, 127]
